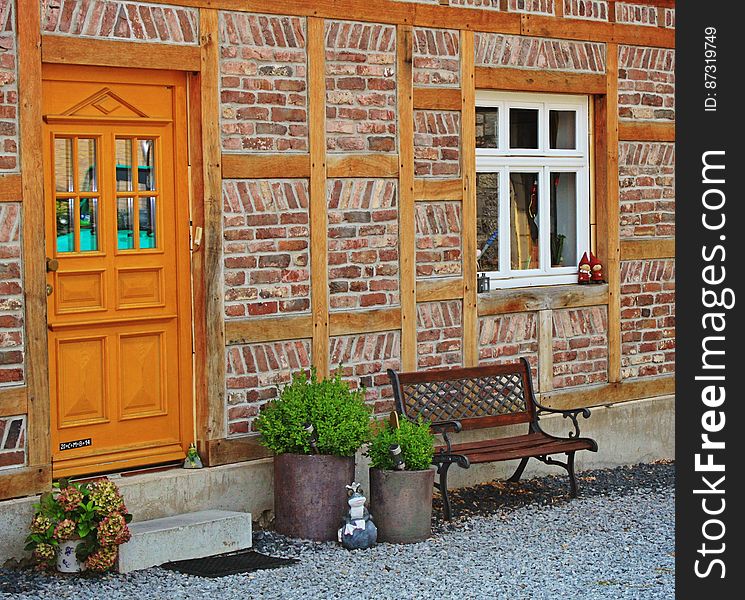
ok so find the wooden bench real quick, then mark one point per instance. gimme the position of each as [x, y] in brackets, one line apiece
[484, 397]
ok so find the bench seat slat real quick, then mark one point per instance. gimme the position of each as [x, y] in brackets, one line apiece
[534, 444]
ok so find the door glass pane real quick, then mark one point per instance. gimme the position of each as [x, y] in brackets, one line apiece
[88, 224]
[524, 221]
[524, 128]
[562, 126]
[125, 223]
[563, 219]
[146, 164]
[487, 221]
[87, 176]
[65, 229]
[63, 165]
[487, 127]
[123, 165]
[147, 223]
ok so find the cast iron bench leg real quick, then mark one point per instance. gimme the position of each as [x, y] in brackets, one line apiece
[519, 471]
[572, 478]
[442, 484]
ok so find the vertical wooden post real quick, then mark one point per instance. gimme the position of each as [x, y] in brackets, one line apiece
[34, 265]
[318, 223]
[468, 166]
[215, 317]
[407, 233]
[545, 351]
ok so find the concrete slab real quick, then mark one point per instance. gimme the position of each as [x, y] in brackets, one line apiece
[182, 537]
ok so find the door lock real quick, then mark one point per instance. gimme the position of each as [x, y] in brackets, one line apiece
[52, 265]
[50, 289]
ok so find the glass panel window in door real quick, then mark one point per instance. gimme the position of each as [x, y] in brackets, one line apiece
[146, 165]
[123, 165]
[524, 128]
[563, 219]
[87, 167]
[147, 222]
[524, 224]
[63, 165]
[65, 219]
[88, 224]
[125, 223]
[487, 223]
[562, 126]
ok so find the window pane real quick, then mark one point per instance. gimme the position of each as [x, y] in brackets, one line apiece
[123, 165]
[487, 220]
[524, 221]
[524, 128]
[563, 129]
[125, 223]
[487, 127]
[87, 165]
[145, 164]
[563, 219]
[88, 224]
[63, 165]
[65, 229]
[147, 223]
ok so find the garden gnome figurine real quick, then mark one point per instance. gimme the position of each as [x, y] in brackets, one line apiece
[597, 269]
[192, 460]
[358, 532]
[585, 270]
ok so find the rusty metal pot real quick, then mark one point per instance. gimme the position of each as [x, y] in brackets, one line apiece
[309, 494]
[401, 504]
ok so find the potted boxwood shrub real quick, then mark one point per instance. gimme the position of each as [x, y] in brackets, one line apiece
[314, 429]
[401, 480]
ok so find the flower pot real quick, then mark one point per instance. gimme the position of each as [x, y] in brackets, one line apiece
[67, 560]
[401, 504]
[310, 498]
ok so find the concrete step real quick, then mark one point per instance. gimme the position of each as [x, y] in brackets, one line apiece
[185, 536]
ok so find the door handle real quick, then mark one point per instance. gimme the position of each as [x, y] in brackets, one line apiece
[52, 265]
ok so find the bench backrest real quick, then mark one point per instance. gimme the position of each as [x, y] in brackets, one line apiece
[476, 396]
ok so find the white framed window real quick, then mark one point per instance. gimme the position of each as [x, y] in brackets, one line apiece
[532, 187]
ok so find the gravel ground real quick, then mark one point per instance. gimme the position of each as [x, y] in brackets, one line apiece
[522, 541]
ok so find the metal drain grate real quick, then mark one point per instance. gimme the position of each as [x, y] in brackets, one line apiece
[228, 564]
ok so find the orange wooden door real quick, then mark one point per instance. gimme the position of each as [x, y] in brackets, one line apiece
[118, 267]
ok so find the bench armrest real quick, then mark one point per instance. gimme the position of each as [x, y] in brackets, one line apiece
[442, 428]
[570, 414]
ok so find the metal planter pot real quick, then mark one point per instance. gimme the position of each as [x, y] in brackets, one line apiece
[310, 499]
[401, 504]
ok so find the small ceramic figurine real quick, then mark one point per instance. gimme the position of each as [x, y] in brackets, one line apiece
[597, 270]
[192, 460]
[357, 532]
[584, 272]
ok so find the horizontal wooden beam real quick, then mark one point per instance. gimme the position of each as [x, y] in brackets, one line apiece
[362, 165]
[232, 450]
[13, 401]
[530, 80]
[542, 298]
[364, 321]
[610, 393]
[265, 166]
[427, 98]
[25, 481]
[11, 189]
[646, 131]
[438, 189]
[647, 249]
[81, 51]
[273, 329]
[435, 290]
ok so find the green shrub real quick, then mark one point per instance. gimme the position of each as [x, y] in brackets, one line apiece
[340, 417]
[415, 439]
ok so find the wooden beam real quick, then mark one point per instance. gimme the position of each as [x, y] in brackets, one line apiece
[213, 283]
[13, 401]
[73, 50]
[430, 98]
[365, 321]
[437, 189]
[362, 165]
[648, 249]
[227, 451]
[438, 289]
[468, 219]
[265, 166]
[545, 351]
[407, 210]
[318, 223]
[610, 393]
[529, 80]
[11, 188]
[643, 131]
[25, 481]
[548, 297]
[273, 329]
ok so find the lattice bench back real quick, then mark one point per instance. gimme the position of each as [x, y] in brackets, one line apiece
[477, 397]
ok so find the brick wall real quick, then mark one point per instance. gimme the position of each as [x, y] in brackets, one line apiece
[12, 441]
[488, 4]
[436, 57]
[360, 87]
[497, 50]
[255, 373]
[647, 189]
[439, 334]
[263, 83]
[364, 359]
[646, 83]
[363, 243]
[121, 20]
[545, 7]
[266, 247]
[636, 14]
[11, 296]
[647, 317]
[436, 143]
[438, 242]
[8, 89]
[670, 18]
[505, 338]
[595, 10]
[580, 346]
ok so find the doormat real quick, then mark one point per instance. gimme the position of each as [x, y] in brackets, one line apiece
[219, 565]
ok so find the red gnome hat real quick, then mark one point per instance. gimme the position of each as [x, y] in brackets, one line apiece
[597, 269]
[584, 271]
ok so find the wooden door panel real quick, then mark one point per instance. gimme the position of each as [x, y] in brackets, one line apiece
[82, 381]
[143, 374]
[139, 288]
[79, 291]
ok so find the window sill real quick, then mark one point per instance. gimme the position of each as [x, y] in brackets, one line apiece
[547, 297]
